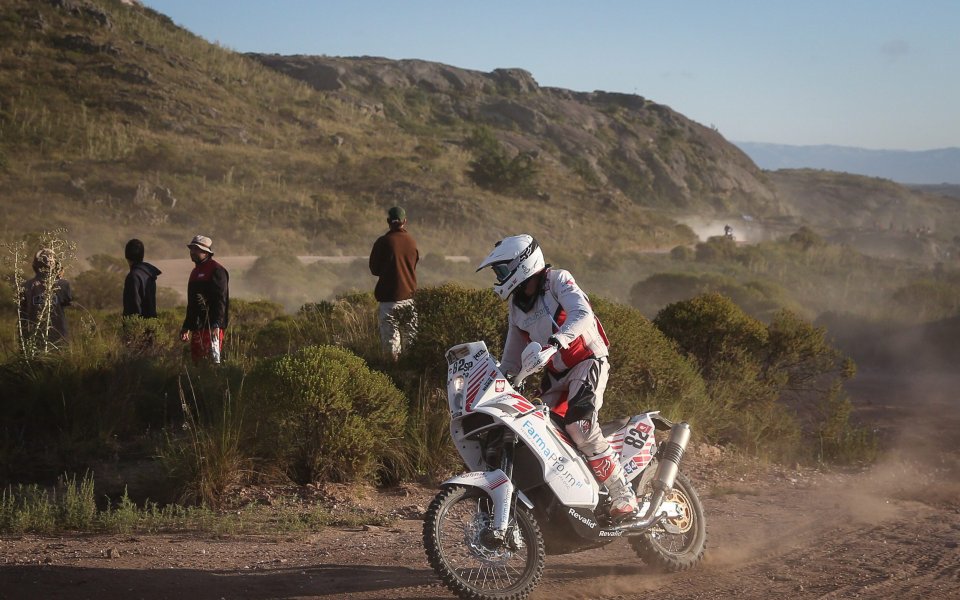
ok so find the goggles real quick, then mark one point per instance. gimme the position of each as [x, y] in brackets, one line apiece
[502, 271]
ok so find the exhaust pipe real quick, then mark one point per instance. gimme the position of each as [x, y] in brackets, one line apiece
[668, 466]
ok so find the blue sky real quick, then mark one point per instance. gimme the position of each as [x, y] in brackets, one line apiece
[882, 74]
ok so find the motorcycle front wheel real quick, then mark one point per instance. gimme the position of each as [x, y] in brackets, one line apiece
[457, 538]
[678, 543]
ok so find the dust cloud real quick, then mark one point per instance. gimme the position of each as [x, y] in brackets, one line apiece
[746, 229]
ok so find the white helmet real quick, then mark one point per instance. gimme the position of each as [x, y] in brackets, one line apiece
[514, 260]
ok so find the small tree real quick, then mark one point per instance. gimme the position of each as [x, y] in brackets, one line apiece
[492, 168]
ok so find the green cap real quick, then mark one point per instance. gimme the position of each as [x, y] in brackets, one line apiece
[396, 214]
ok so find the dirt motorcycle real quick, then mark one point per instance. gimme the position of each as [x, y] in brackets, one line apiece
[530, 492]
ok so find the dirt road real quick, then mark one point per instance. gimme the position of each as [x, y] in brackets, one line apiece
[891, 531]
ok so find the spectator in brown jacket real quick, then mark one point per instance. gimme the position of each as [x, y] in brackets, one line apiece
[394, 260]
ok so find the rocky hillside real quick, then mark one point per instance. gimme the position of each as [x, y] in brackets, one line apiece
[619, 143]
[117, 123]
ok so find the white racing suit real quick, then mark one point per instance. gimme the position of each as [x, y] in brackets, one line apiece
[576, 376]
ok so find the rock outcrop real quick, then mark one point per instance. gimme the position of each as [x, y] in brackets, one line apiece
[653, 155]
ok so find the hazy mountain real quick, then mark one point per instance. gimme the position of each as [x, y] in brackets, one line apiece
[904, 166]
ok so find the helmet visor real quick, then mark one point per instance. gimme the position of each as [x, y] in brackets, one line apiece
[502, 271]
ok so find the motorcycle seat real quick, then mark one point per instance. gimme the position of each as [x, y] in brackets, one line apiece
[609, 428]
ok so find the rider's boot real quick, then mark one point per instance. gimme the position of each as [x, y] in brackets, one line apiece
[606, 468]
[623, 502]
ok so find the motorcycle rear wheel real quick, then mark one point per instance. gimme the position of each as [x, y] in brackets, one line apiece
[683, 548]
[472, 569]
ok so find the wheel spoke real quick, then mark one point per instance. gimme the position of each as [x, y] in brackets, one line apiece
[475, 563]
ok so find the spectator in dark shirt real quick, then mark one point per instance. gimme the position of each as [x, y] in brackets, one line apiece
[208, 303]
[140, 286]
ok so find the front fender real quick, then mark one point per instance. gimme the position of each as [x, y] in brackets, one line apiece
[498, 486]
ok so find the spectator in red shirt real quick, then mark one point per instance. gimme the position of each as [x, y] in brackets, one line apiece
[208, 303]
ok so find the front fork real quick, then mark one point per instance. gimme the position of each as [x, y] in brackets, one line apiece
[503, 508]
[498, 485]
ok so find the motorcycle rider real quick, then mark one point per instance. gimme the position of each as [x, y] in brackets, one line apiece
[549, 308]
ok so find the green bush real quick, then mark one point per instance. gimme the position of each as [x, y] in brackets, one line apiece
[82, 402]
[97, 289]
[715, 249]
[325, 416]
[773, 384]
[682, 253]
[349, 321]
[70, 505]
[281, 278]
[926, 300]
[760, 299]
[449, 315]
[647, 372]
[253, 314]
[806, 239]
[713, 329]
[494, 169]
[660, 289]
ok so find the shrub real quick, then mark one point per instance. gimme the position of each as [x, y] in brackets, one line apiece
[83, 401]
[926, 300]
[349, 321]
[493, 169]
[716, 249]
[713, 329]
[98, 289]
[839, 442]
[682, 253]
[281, 278]
[806, 238]
[449, 315]
[326, 416]
[661, 289]
[760, 299]
[428, 450]
[70, 505]
[253, 314]
[647, 372]
[772, 384]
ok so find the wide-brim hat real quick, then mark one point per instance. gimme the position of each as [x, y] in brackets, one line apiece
[201, 243]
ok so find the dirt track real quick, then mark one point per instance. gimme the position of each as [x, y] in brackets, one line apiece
[891, 531]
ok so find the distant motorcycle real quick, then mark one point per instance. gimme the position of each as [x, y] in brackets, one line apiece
[530, 492]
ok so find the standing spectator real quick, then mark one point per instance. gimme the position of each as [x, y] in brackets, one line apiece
[42, 320]
[394, 259]
[140, 286]
[208, 303]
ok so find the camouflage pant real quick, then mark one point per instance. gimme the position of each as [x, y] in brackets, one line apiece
[397, 320]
